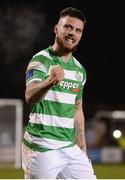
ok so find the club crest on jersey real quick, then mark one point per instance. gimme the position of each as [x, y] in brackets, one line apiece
[78, 76]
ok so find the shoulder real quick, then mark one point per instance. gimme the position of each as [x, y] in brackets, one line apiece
[45, 53]
[79, 66]
[43, 56]
[40, 60]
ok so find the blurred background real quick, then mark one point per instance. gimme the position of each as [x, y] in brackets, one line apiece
[26, 27]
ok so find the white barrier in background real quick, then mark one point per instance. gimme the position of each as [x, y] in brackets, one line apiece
[111, 155]
[11, 127]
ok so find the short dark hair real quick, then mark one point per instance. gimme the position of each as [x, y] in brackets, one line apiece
[73, 12]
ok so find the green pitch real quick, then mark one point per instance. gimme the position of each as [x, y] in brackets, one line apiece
[103, 171]
[110, 171]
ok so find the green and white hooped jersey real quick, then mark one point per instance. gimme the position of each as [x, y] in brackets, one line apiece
[51, 121]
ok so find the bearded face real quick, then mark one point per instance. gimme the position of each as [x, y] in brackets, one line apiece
[68, 33]
[64, 45]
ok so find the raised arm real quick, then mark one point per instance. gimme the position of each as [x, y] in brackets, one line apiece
[36, 89]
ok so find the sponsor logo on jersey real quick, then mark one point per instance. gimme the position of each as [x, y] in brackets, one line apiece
[74, 87]
[75, 90]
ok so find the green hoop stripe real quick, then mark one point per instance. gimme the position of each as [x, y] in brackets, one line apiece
[53, 108]
[36, 147]
[51, 132]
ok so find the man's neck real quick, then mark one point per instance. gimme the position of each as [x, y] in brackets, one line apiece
[62, 54]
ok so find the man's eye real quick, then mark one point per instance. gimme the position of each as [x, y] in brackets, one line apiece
[67, 26]
[79, 30]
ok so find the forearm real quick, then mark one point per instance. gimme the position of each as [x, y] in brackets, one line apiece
[80, 135]
[35, 90]
[80, 128]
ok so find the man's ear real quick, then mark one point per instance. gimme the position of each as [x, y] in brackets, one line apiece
[55, 28]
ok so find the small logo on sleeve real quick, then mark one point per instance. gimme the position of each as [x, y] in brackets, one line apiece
[29, 74]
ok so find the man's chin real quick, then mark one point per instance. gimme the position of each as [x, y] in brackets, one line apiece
[70, 49]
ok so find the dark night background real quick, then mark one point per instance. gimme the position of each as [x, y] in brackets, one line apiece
[26, 27]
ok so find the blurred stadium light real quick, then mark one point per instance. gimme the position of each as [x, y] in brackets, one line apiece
[108, 135]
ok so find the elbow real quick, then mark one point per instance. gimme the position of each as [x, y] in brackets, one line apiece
[28, 98]
[31, 99]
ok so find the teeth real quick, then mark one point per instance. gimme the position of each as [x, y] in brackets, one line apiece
[70, 40]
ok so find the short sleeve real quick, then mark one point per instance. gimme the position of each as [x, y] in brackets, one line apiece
[36, 71]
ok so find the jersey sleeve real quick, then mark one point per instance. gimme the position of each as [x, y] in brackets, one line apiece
[36, 70]
[80, 94]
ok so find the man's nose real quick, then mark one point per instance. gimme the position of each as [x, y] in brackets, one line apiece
[72, 32]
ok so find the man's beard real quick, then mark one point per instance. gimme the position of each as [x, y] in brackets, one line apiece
[65, 48]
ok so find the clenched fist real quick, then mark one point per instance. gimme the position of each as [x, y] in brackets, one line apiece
[56, 74]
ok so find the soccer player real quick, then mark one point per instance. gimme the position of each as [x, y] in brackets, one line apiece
[54, 143]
